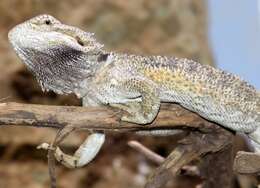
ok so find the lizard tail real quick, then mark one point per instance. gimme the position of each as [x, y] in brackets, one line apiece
[89, 148]
[84, 154]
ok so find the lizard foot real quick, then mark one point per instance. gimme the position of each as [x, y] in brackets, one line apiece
[134, 112]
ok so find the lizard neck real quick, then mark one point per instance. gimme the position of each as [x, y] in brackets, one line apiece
[95, 62]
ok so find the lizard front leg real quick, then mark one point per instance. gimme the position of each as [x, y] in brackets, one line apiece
[144, 111]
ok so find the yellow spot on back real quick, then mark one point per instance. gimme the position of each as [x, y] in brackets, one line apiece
[159, 75]
[173, 80]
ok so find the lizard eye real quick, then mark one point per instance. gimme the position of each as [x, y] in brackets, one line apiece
[47, 22]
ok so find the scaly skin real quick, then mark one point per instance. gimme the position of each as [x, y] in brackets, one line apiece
[66, 59]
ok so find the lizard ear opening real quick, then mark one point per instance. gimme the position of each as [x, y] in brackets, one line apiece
[79, 41]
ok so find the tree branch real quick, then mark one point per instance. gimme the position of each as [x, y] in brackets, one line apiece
[97, 118]
[204, 137]
[195, 145]
[247, 162]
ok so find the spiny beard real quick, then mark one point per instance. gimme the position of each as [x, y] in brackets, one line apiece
[59, 70]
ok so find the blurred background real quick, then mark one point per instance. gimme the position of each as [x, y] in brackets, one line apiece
[215, 32]
[235, 37]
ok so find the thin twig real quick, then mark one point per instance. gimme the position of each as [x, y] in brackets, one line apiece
[5, 98]
[158, 159]
[147, 152]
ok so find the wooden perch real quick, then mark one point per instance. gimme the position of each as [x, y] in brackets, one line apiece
[247, 163]
[204, 138]
[97, 118]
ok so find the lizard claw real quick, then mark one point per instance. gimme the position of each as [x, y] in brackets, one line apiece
[45, 146]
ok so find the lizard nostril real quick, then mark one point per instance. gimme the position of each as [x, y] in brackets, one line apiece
[48, 22]
[80, 42]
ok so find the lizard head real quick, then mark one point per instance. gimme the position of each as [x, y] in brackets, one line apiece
[61, 57]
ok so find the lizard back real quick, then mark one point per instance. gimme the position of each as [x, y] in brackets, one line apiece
[214, 94]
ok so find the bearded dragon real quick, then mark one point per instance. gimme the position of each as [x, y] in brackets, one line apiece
[66, 59]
